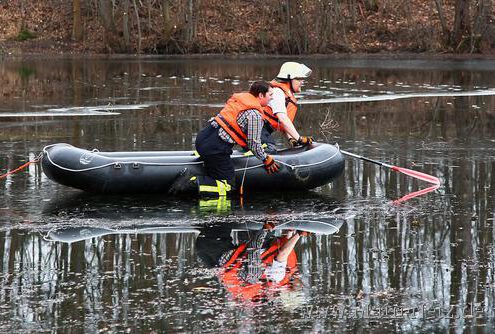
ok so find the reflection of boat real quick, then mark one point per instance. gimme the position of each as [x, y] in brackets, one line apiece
[145, 208]
[152, 172]
[70, 234]
[317, 225]
[74, 234]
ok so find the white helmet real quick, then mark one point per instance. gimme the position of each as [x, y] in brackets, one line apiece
[292, 70]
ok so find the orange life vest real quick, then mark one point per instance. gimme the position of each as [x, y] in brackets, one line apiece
[290, 104]
[248, 292]
[227, 118]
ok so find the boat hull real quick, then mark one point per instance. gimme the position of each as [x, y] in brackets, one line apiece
[155, 171]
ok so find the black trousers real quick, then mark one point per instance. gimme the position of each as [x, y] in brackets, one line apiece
[215, 154]
[212, 243]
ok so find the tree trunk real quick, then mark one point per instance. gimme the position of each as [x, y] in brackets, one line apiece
[77, 32]
[149, 15]
[443, 22]
[109, 32]
[190, 20]
[23, 16]
[462, 26]
[167, 23]
[125, 26]
[138, 25]
[106, 15]
[288, 29]
[483, 30]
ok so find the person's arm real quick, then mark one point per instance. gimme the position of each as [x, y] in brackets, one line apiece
[289, 128]
[287, 248]
[254, 127]
[277, 104]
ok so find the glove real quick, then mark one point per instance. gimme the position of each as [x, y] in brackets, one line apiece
[292, 142]
[270, 165]
[305, 141]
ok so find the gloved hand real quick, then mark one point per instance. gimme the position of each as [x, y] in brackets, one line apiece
[270, 165]
[305, 141]
[292, 142]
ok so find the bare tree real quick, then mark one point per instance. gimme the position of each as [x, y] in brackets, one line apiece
[483, 28]
[110, 32]
[167, 22]
[190, 31]
[150, 5]
[443, 21]
[136, 11]
[106, 14]
[462, 26]
[125, 26]
[77, 32]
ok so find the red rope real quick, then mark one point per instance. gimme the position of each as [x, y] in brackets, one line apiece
[19, 168]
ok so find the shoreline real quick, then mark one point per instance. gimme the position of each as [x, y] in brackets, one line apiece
[43, 54]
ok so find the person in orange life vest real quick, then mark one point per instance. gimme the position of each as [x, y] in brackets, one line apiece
[281, 110]
[239, 122]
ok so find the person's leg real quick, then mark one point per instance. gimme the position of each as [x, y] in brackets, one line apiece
[219, 167]
[219, 178]
[213, 243]
[215, 154]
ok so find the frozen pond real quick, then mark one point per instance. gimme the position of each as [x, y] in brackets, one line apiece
[78, 262]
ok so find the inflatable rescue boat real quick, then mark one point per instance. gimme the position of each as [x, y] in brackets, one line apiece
[301, 168]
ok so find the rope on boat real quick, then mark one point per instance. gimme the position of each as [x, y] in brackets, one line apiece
[292, 167]
[36, 160]
[116, 163]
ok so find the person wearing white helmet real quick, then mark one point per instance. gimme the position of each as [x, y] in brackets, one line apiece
[279, 114]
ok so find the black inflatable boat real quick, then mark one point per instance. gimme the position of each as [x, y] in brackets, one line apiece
[153, 172]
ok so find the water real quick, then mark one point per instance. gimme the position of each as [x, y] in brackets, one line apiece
[424, 264]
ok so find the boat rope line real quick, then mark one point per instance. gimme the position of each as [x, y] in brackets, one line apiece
[241, 189]
[117, 164]
[292, 167]
[23, 166]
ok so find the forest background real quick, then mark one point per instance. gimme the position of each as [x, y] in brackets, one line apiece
[288, 27]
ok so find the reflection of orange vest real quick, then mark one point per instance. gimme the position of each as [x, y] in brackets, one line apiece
[290, 104]
[248, 292]
[227, 118]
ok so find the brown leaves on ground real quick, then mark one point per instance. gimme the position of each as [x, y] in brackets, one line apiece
[237, 26]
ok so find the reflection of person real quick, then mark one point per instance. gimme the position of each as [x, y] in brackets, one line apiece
[251, 269]
[281, 110]
[239, 122]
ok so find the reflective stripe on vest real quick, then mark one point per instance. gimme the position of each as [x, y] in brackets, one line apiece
[227, 118]
[290, 104]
